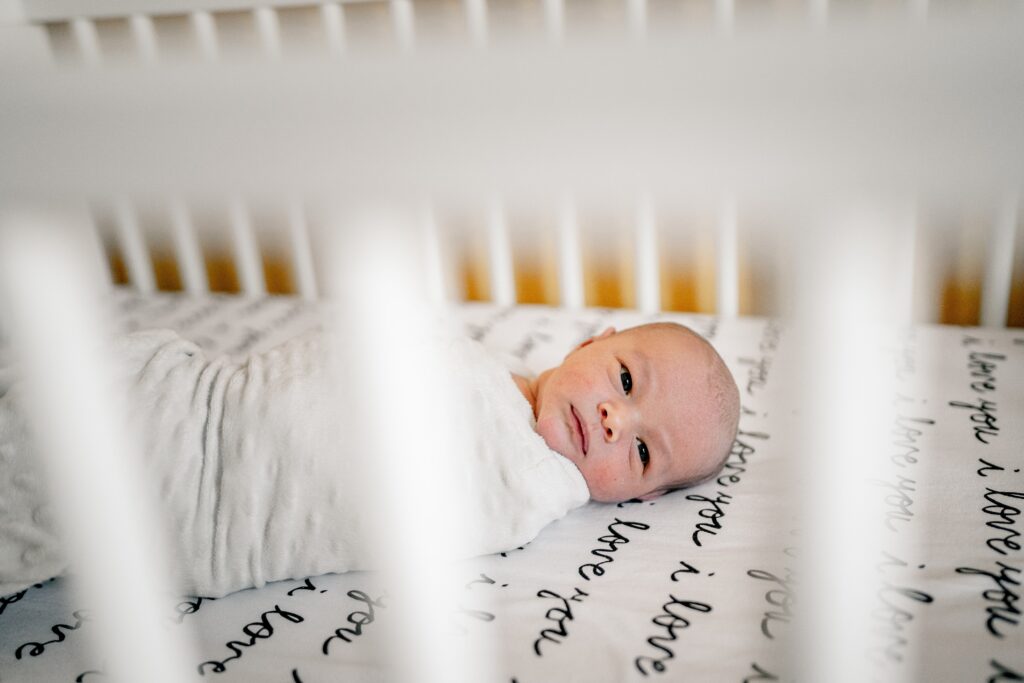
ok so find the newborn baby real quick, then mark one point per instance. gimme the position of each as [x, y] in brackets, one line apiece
[258, 482]
[639, 412]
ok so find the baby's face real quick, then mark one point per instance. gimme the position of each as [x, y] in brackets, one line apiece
[630, 410]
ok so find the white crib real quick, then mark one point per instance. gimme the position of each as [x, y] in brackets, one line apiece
[815, 161]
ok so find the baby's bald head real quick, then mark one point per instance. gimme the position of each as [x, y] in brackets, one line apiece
[723, 397]
[640, 412]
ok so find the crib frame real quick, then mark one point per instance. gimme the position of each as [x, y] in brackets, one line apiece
[305, 200]
[81, 23]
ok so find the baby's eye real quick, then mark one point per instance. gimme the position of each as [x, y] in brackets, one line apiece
[626, 378]
[645, 455]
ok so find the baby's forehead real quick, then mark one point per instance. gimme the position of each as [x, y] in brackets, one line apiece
[680, 361]
[668, 340]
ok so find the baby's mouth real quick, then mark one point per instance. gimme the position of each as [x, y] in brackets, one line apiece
[579, 428]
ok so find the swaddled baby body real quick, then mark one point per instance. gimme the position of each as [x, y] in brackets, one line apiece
[255, 488]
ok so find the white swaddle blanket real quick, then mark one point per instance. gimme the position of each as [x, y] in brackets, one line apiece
[252, 478]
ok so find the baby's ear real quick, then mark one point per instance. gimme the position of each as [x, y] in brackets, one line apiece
[608, 331]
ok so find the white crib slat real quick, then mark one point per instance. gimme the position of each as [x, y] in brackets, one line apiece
[101, 271]
[377, 360]
[927, 284]
[133, 246]
[725, 14]
[144, 33]
[995, 295]
[570, 260]
[302, 254]
[98, 496]
[91, 243]
[918, 9]
[835, 305]
[247, 252]
[727, 262]
[905, 297]
[433, 253]
[554, 19]
[648, 271]
[206, 34]
[503, 285]
[637, 13]
[269, 27]
[87, 39]
[476, 21]
[333, 17]
[818, 12]
[190, 257]
[403, 19]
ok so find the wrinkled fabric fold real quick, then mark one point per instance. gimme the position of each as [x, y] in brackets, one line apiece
[254, 479]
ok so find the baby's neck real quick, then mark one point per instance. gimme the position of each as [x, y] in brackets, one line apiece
[528, 388]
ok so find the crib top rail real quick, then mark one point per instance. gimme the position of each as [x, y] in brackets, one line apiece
[211, 30]
[63, 10]
[761, 115]
[769, 116]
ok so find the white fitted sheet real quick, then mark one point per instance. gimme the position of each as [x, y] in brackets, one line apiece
[692, 586]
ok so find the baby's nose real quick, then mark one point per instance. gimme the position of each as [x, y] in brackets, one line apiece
[611, 421]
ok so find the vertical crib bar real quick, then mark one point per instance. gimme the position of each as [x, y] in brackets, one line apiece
[918, 9]
[570, 260]
[206, 34]
[727, 262]
[843, 361]
[403, 19]
[927, 302]
[637, 13]
[503, 285]
[476, 21]
[247, 252]
[302, 254]
[433, 253]
[144, 33]
[818, 12]
[190, 257]
[269, 27]
[133, 246]
[906, 295]
[554, 20]
[648, 271]
[87, 39]
[97, 492]
[333, 17]
[31, 39]
[381, 254]
[725, 14]
[995, 294]
[100, 264]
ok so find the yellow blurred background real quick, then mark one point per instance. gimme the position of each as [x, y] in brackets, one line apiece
[686, 261]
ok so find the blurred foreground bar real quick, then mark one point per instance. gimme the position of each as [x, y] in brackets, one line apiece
[768, 112]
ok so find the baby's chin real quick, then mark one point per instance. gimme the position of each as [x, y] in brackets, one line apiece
[555, 435]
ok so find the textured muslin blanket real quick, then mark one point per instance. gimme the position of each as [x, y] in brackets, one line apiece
[255, 480]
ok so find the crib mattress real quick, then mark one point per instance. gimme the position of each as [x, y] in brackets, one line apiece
[696, 585]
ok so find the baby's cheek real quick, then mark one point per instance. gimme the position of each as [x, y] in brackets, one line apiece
[574, 383]
[605, 482]
[552, 431]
